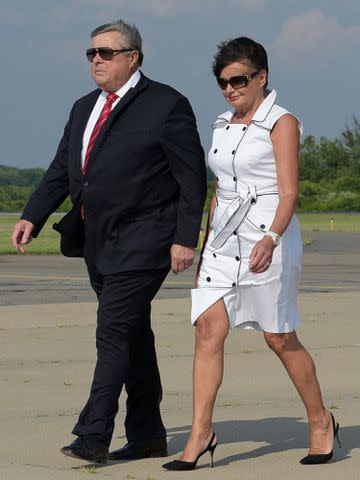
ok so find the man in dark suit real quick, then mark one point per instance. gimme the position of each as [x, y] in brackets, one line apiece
[131, 160]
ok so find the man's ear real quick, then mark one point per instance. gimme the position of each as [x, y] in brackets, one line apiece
[134, 58]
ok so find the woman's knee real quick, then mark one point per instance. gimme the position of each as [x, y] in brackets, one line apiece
[209, 329]
[281, 342]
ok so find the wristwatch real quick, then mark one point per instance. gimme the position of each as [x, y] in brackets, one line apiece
[274, 236]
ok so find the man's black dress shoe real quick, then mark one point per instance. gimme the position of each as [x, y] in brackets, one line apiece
[155, 447]
[87, 447]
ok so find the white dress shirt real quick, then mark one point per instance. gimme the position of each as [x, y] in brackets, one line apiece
[95, 114]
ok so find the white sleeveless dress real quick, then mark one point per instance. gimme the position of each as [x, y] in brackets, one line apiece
[242, 159]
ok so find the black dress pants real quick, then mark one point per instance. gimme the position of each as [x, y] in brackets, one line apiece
[125, 355]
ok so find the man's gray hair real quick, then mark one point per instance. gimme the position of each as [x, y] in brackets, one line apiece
[130, 35]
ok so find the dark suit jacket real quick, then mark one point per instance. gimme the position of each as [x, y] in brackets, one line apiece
[145, 184]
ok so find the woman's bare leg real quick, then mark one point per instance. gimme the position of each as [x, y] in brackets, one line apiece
[301, 369]
[211, 331]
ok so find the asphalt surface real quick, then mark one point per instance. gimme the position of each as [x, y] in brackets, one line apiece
[330, 263]
[47, 356]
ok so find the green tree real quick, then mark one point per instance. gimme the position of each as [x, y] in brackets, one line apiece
[311, 163]
[323, 159]
[21, 177]
[350, 139]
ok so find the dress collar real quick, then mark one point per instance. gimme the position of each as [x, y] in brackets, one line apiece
[264, 108]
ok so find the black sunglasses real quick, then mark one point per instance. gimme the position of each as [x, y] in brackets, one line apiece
[105, 53]
[238, 81]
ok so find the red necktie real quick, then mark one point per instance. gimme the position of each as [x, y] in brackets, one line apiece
[105, 112]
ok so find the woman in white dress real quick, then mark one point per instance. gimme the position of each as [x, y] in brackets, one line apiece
[249, 269]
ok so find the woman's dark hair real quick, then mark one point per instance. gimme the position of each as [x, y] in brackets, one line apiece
[238, 49]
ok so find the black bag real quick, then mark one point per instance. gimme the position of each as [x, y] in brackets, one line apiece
[72, 231]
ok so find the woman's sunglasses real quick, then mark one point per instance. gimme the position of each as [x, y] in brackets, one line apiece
[105, 53]
[238, 81]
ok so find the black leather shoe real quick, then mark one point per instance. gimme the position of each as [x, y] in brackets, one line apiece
[155, 447]
[87, 447]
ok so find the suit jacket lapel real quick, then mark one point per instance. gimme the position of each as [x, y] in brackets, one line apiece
[119, 108]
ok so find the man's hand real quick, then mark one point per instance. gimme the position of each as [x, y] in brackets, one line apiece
[22, 234]
[181, 258]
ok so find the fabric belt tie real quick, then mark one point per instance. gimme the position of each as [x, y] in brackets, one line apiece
[237, 211]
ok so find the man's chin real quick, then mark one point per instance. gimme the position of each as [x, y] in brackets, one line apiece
[101, 82]
[104, 86]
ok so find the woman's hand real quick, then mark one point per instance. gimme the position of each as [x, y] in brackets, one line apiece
[261, 255]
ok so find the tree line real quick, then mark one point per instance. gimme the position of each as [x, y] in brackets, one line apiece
[329, 176]
[17, 184]
[330, 171]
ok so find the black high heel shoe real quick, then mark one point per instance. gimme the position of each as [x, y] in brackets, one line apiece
[315, 459]
[182, 465]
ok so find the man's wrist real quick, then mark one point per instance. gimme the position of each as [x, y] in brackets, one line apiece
[183, 246]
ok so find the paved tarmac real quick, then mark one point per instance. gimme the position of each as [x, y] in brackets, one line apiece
[330, 263]
[47, 354]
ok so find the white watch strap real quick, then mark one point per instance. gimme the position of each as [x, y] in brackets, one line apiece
[275, 236]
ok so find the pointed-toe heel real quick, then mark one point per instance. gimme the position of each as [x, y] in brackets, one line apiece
[316, 459]
[181, 465]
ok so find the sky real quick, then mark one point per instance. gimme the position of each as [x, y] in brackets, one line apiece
[313, 48]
